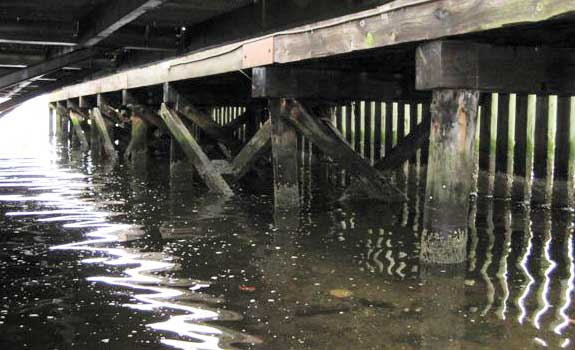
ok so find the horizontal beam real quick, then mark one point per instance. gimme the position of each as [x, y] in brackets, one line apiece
[294, 82]
[208, 62]
[45, 67]
[45, 34]
[113, 16]
[404, 21]
[54, 34]
[400, 21]
[18, 100]
[468, 65]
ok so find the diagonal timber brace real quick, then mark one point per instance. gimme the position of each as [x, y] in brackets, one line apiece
[254, 148]
[202, 120]
[332, 144]
[404, 150]
[76, 119]
[193, 151]
[100, 125]
[108, 111]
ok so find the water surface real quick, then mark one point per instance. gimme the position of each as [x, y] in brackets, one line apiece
[105, 256]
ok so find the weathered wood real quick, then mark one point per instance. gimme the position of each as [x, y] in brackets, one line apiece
[201, 119]
[137, 107]
[71, 105]
[107, 110]
[467, 65]
[76, 119]
[571, 160]
[405, 149]
[519, 159]
[397, 22]
[530, 146]
[137, 150]
[484, 159]
[541, 128]
[250, 153]
[503, 121]
[100, 125]
[358, 130]
[296, 82]
[376, 131]
[404, 21]
[389, 125]
[494, 112]
[58, 122]
[510, 163]
[193, 151]
[51, 117]
[450, 167]
[95, 139]
[285, 153]
[551, 146]
[178, 161]
[62, 126]
[239, 121]
[329, 142]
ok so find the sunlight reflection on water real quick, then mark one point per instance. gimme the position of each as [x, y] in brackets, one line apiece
[39, 175]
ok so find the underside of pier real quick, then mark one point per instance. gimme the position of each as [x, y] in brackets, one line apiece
[228, 83]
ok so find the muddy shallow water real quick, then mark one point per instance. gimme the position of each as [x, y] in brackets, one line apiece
[104, 256]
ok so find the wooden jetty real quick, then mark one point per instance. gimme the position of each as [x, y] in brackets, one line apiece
[457, 84]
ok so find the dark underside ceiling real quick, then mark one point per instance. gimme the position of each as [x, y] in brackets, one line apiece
[47, 44]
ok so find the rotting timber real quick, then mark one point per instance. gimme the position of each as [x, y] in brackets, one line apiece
[278, 86]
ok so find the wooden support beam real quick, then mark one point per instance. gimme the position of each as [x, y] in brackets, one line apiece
[137, 150]
[143, 111]
[73, 106]
[202, 120]
[449, 176]
[193, 151]
[62, 113]
[76, 119]
[405, 150]
[110, 17]
[100, 125]
[45, 67]
[107, 110]
[285, 158]
[238, 122]
[295, 82]
[95, 140]
[329, 141]
[250, 153]
[446, 64]
[51, 117]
